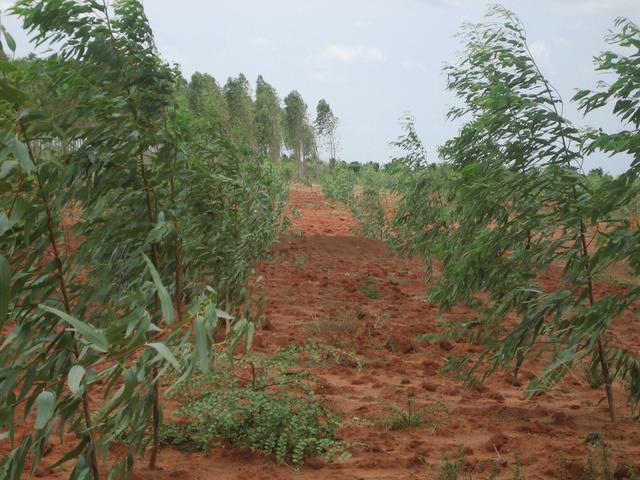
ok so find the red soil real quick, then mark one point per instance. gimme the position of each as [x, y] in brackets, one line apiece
[323, 272]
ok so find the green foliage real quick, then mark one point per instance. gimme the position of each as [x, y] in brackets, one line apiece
[512, 201]
[297, 129]
[237, 94]
[168, 212]
[268, 120]
[326, 124]
[450, 469]
[273, 411]
[367, 208]
[339, 183]
[433, 416]
[370, 292]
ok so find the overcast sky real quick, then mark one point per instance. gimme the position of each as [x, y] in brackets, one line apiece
[372, 60]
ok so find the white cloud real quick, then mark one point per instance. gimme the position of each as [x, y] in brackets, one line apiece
[353, 54]
[262, 42]
[588, 6]
[540, 51]
[5, 4]
[413, 66]
[363, 24]
[597, 5]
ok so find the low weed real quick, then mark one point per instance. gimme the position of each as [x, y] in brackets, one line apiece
[339, 329]
[370, 292]
[301, 260]
[321, 353]
[433, 416]
[261, 404]
[600, 467]
[453, 469]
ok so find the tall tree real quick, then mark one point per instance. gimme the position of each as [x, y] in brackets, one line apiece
[237, 93]
[268, 120]
[310, 144]
[326, 124]
[296, 125]
[206, 98]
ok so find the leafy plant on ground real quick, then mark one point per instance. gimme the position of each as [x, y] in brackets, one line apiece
[273, 411]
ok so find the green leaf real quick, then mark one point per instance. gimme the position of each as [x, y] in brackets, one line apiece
[7, 167]
[73, 453]
[5, 289]
[224, 315]
[10, 94]
[97, 340]
[21, 154]
[11, 43]
[165, 299]
[200, 324]
[165, 353]
[74, 379]
[250, 329]
[45, 405]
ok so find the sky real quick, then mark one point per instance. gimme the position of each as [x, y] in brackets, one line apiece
[374, 60]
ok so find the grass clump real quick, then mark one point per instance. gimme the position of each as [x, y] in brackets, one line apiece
[370, 292]
[339, 328]
[397, 418]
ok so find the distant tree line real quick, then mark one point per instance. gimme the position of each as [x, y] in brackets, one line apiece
[263, 122]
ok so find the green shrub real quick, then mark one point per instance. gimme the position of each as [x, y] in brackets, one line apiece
[338, 184]
[275, 412]
[276, 422]
[368, 210]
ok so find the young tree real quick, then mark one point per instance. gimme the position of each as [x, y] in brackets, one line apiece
[237, 93]
[268, 120]
[519, 207]
[164, 208]
[326, 124]
[296, 127]
[613, 198]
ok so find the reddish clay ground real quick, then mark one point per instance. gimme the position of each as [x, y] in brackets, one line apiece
[322, 274]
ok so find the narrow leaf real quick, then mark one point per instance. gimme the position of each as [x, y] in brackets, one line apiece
[5, 289]
[165, 299]
[165, 353]
[97, 340]
[201, 343]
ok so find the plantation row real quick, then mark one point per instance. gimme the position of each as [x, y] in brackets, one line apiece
[510, 201]
[132, 213]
